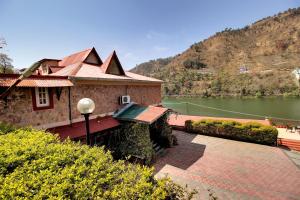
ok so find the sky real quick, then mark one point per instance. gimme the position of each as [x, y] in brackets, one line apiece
[139, 30]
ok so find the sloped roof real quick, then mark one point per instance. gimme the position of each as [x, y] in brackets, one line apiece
[78, 57]
[75, 66]
[35, 81]
[55, 68]
[139, 113]
[69, 70]
[141, 78]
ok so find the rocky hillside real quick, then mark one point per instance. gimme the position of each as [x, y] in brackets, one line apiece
[255, 60]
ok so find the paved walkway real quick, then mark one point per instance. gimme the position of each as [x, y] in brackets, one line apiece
[230, 169]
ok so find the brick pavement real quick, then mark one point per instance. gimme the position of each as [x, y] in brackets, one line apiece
[232, 169]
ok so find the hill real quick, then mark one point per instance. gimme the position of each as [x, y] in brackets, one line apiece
[256, 60]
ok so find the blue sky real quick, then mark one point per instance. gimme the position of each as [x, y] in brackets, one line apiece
[139, 30]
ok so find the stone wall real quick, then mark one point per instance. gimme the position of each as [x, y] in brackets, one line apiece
[106, 97]
[19, 110]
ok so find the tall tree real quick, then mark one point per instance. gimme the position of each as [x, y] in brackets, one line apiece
[6, 66]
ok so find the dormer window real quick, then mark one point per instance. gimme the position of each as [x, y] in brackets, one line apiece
[42, 98]
[45, 70]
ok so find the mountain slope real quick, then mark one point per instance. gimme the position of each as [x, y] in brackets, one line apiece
[255, 60]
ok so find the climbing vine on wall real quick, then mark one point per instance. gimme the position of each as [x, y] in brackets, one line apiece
[132, 139]
[161, 132]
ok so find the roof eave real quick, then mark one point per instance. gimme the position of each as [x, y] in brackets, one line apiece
[113, 79]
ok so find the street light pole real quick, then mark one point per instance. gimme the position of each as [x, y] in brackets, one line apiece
[86, 107]
[87, 127]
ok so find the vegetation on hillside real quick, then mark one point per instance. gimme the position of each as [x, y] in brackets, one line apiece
[36, 165]
[256, 60]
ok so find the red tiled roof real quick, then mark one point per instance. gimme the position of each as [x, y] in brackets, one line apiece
[76, 67]
[141, 78]
[75, 58]
[83, 70]
[55, 68]
[94, 71]
[151, 114]
[106, 63]
[135, 112]
[70, 70]
[35, 81]
[77, 130]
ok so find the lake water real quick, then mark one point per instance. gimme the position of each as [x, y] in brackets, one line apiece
[256, 108]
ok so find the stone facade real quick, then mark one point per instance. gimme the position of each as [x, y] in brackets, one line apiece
[18, 108]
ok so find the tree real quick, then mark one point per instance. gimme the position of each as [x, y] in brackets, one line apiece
[5, 61]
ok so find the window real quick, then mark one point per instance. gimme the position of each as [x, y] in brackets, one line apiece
[42, 97]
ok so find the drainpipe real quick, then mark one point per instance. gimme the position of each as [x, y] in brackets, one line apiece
[28, 72]
[70, 111]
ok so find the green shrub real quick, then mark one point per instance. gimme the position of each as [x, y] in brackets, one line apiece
[136, 141]
[250, 131]
[161, 132]
[36, 165]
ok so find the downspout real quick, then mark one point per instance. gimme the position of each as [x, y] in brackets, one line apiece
[70, 111]
[28, 72]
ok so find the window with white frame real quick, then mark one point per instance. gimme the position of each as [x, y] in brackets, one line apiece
[42, 97]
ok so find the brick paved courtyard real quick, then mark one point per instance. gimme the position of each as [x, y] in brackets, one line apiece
[230, 169]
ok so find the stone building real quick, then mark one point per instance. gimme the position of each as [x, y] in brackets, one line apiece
[47, 96]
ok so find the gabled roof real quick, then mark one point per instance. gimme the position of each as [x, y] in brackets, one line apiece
[107, 63]
[79, 57]
[85, 71]
[87, 65]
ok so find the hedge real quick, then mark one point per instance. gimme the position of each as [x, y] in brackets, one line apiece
[249, 132]
[36, 165]
[133, 139]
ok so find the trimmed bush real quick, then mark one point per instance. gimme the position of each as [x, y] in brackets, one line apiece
[36, 165]
[249, 132]
[161, 132]
[136, 141]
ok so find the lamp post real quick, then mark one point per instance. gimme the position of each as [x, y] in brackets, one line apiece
[86, 107]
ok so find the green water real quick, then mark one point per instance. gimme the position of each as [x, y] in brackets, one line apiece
[269, 107]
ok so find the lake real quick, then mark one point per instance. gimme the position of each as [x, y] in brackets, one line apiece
[252, 108]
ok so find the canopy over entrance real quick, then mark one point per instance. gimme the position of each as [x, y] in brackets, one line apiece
[139, 113]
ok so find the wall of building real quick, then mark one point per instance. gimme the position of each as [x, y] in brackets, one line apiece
[106, 97]
[19, 110]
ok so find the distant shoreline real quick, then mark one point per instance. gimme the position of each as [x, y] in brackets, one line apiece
[230, 96]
